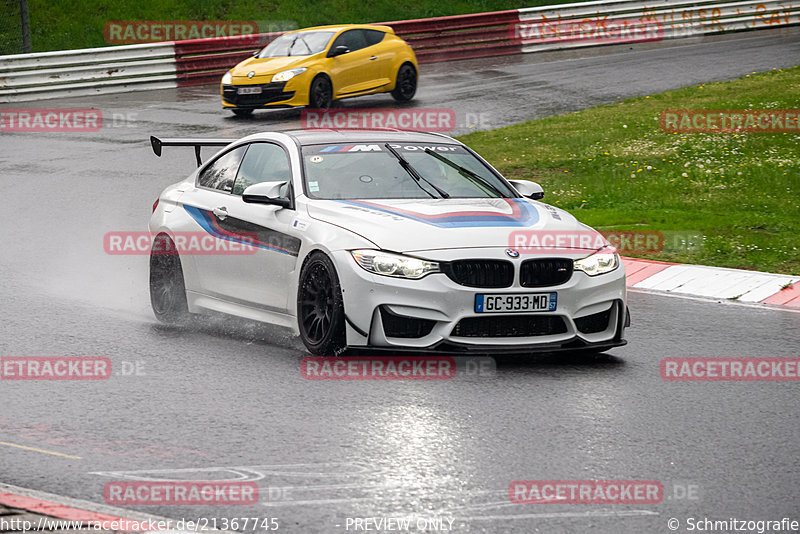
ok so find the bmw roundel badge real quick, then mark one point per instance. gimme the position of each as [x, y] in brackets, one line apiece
[512, 253]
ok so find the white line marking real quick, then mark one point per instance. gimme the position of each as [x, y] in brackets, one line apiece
[556, 515]
[249, 473]
[757, 305]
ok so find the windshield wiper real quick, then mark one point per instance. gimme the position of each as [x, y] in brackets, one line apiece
[463, 171]
[414, 174]
[311, 52]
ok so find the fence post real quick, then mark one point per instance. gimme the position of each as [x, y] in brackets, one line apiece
[26, 26]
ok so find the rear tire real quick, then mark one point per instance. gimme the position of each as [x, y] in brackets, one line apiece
[320, 307]
[167, 287]
[405, 86]
[242, 112]
[320, 94]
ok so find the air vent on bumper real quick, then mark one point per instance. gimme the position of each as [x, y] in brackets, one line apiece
[404, 327]
[596, 322]
[510, 326]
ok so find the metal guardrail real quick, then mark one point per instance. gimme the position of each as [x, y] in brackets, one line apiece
[662, 19]
[201, 61]
[204, 61]
[460, 36]
[88, 71]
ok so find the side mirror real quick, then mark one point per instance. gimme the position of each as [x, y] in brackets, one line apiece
[338, 51]
[528, 189]
[266, 193]
[255, 53]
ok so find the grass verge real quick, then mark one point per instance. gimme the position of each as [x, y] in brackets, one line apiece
[723, 199]
[68, 25]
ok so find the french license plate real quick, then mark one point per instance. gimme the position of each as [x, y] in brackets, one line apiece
[248, 91]
[516, 302]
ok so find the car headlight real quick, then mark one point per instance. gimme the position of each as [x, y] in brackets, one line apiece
[600, 262]
[388, 264]
[227, 79]
[287, 75]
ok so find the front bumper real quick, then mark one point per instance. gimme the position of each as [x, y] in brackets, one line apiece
[272, 95]
[437, 314]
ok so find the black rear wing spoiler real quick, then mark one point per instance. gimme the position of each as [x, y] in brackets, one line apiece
[158, 144]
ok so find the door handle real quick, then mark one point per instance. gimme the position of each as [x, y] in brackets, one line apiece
[373, 58]
[221, 213]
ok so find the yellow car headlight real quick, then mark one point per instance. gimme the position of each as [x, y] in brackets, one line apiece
[227, 79]
[287, 75]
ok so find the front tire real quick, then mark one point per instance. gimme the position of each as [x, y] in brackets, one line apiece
[320, 307]
[405, 86]
[167, 287]
[320, 94]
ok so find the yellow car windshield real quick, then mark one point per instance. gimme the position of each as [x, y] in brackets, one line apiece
[297, 44]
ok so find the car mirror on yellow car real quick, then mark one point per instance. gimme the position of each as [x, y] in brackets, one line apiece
[338, 51]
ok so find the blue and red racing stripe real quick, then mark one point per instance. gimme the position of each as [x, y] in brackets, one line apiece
[522, 214]
[239, 231]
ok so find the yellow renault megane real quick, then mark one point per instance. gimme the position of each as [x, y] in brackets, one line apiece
[315, 66]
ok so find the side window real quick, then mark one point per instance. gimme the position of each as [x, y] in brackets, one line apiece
[264, 162]
[221, 173]
[352, 39]
[373, 36]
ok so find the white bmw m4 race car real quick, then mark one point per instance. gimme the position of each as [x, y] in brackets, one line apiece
[381, 240]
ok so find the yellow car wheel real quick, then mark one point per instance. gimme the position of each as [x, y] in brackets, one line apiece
[406, 85]
[320, 95]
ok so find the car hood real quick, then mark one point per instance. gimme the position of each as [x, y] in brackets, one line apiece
[409, 225]
[267, 67]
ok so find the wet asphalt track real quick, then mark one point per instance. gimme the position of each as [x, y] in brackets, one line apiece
[225, 400]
